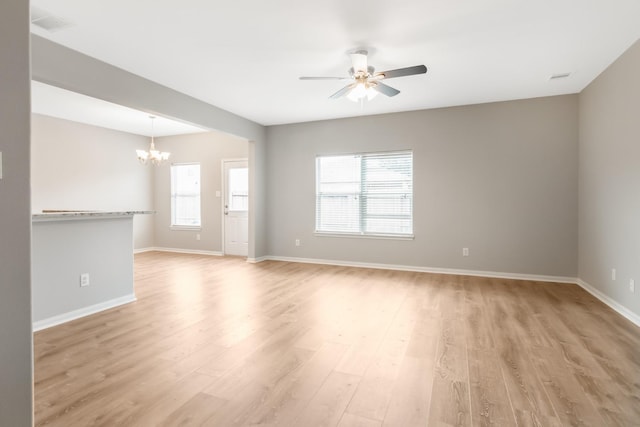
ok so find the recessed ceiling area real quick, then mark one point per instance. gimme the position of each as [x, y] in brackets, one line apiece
[63, 104]
[246, 57]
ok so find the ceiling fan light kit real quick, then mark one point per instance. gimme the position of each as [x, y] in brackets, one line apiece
[362, 91]
[366, 83]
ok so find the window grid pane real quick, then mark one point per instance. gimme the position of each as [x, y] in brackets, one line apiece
[365, 193]
[239, 189]
[185, 195]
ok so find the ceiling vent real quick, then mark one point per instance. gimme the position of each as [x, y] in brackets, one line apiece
[47, 21]
[559, 76]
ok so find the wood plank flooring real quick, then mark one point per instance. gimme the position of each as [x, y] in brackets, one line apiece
[219, 342]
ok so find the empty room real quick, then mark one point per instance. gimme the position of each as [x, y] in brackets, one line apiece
[420, 213]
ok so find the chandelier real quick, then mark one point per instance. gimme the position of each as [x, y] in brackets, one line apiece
[152, 156]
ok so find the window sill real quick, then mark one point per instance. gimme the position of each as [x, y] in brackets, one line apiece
[185, 227]
[366, 236]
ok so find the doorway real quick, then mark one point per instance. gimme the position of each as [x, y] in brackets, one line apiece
[235, 218]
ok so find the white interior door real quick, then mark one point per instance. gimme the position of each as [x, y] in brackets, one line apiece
[236, 207]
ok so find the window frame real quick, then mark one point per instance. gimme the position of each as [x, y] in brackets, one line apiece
[172, 198]
[362, 211]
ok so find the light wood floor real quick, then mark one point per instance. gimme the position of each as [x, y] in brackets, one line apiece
[219, 342]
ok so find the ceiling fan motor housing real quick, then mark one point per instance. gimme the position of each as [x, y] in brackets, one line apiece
[370, 71]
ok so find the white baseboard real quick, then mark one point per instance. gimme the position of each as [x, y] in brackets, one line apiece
[82, 312]
[495, 274]
[180, 251]
[621, 309]
[143, 250]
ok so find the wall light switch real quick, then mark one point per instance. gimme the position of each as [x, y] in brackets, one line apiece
[217, 193]
[632, 285]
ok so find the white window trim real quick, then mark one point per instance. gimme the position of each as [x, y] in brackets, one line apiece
[365, 236]
[185, 227]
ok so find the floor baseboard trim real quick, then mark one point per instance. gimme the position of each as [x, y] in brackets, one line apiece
[82, 312]
[143, 250]
[614, 305]
[184, 251]
[459, 272]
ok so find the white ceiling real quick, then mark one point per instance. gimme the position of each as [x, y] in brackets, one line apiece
[246, 56]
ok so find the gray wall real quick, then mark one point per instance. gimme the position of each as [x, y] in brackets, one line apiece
[16, 356]
[78, 166]
[258, 196]
[62, 67]
[208, 149]
[62, 250]
[610, 180]
[500, 179]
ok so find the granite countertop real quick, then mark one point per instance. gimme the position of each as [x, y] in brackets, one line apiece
[53, 215]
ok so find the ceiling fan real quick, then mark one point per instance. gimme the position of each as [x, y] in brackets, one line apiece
[365, 82]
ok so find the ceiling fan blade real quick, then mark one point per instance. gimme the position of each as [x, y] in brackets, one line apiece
[342, 92]
[386, 90]
[359, 61]
[401, 72]
[325, 78]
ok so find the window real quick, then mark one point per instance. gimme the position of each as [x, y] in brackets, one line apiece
[239, 189]
[365, 194]
[185, 195]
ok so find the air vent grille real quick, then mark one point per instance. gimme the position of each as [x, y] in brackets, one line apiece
[559, 76]
[47, 21]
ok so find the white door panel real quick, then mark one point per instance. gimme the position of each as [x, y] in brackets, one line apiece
[236, 207]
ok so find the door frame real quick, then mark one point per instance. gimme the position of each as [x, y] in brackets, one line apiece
[223, 194]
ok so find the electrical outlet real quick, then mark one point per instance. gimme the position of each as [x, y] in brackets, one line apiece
[84, 280]
[613, 274]
[632, 285]
[198, 236]
[297, 242]
[465, 251]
